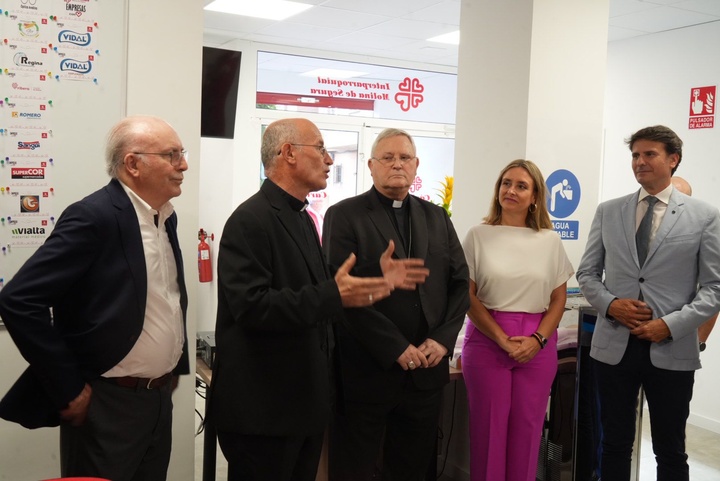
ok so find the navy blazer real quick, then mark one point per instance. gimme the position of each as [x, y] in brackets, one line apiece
[371, 339]
[91, 272]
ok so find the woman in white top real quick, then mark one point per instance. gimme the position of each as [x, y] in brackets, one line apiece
[518, 276]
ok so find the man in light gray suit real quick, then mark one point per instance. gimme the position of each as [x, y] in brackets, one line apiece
[661, 281]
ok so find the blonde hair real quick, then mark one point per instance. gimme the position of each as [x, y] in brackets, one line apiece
[536, 219]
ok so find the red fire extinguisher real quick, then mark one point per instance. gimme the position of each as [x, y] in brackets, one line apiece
[204, 261]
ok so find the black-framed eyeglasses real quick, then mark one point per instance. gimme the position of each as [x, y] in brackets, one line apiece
[174, 156]
[391, 159]
[321, 148]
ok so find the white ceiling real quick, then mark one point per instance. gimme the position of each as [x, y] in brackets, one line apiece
[398, 29]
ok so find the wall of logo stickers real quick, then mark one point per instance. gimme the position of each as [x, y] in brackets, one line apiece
[52, 94]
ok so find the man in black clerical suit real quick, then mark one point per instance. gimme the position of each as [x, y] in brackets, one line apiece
[270, 397]
[393, 356]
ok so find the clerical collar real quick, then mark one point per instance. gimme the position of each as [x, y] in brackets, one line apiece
[395, 204]
[294, 203]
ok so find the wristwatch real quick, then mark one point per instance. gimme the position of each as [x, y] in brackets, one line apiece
[541, 339]
[702, 346]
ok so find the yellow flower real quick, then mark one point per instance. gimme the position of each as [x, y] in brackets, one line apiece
[446, 193]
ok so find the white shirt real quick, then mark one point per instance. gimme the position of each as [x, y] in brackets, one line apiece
[159, 347]
[516, 268]
[658, 210]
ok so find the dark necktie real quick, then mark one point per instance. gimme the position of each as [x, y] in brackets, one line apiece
[642, 236]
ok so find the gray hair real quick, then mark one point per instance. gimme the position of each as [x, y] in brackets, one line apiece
[123, 135]
[387, 133]
[276, 134]
[116, 146]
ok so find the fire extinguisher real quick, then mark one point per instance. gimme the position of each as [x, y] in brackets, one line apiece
[204, 261]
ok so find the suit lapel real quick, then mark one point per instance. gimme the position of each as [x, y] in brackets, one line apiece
[171, 229]
[419, 229]
[380, 219]
[290, 221]
[629, 212]
[130, 238]
[672, 214]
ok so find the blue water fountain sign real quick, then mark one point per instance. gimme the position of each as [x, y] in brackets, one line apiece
[563, 199]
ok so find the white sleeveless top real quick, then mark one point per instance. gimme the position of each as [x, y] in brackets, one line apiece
[516, 268]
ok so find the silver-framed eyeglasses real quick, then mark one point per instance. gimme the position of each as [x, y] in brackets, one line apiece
[174, 156]
[391, 159]
[321, 148]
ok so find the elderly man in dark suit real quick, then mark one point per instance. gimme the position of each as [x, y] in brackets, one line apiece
[651, 269]
[270, 397]
[99, 313]
[394, 355]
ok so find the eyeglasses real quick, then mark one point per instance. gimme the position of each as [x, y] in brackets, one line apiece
[323, 151]
[174, 156]
[391, 159]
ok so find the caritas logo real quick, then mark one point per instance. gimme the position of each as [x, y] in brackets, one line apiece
[27, 173]
[410, 94]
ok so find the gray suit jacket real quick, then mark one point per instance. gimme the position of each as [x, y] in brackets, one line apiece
[680, 279]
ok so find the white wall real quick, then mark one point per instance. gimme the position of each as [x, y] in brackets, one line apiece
[162, 76]
[648, 83]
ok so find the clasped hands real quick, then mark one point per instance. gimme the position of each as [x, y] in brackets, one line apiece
[427, 354]
[397, 274]
[521, 348]
[638, 317]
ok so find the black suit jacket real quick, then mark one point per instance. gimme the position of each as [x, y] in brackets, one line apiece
[272, 367]
[91, 272]
[371, 339]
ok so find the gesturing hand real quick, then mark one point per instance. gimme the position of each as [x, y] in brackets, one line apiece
[402, 273]
[360, 291]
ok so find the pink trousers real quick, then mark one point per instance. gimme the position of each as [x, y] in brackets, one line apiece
[507, 400]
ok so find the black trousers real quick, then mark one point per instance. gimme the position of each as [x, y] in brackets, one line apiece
[668, 395]
[127, 435]
[271, 458]
[589, 432]
[409, 424]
